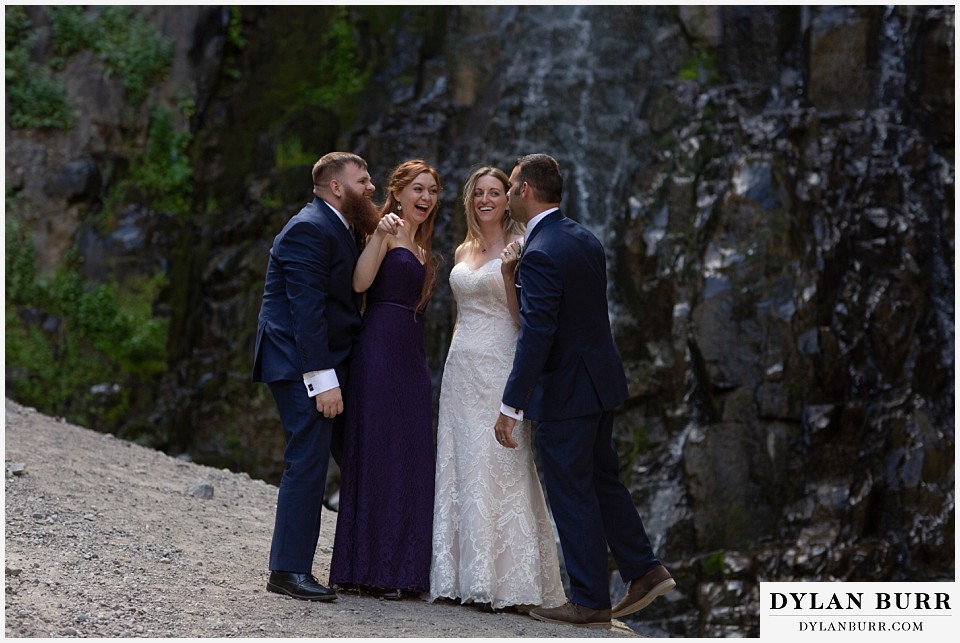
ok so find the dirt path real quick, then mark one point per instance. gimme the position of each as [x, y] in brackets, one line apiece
[105, 538]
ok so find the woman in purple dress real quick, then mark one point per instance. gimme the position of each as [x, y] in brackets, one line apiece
[383, 539]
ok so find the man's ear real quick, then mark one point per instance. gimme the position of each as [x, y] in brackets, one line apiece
[336, 188]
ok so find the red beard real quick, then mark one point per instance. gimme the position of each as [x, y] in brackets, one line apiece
[359, 211]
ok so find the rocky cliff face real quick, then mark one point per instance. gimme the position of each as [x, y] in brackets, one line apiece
[774, 187]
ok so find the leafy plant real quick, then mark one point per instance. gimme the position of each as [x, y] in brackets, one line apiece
[127, 44]
[714, 565]
[639, 443]
[700, 67]
[165, 173]
[71, 31]
[235, 42]
[346, 77]
[34, 97]
[16, 25]
[66, 337]
[290, 153]
[20, 265]
[131, 48]
[235, 29]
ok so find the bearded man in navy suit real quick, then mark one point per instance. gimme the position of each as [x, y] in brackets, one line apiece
[568, 376]
[308, 324]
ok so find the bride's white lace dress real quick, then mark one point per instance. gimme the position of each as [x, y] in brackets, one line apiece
[493, 540]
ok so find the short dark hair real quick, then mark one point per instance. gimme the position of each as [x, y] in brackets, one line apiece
[331, 164]
[542, 173]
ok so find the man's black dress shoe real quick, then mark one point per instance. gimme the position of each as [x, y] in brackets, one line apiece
[302, 586]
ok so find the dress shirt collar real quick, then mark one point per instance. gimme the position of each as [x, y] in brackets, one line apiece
[534, 221]
[339, 216]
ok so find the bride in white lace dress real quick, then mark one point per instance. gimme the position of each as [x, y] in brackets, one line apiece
[493, 541]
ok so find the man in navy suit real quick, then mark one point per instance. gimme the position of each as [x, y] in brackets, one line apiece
[308, 323]
[568, 376]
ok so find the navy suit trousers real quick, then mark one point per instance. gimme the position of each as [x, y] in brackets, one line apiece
[591, 506]
[308, 437]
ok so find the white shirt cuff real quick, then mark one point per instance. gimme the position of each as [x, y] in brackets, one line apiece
[319, 381]
[516, 414]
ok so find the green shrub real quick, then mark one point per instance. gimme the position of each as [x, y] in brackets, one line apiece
[31, 366]
[100, 334]
[71, 31]
[290, 153]
[345, 77]
[34, 97]
[714, 565]
[164, 174]
[39, 101]
[235, 42]
[19, 262]
[127, 44]
[701, 67]
[16, 25]
[131, 48]
[640, 442]
[235, 29]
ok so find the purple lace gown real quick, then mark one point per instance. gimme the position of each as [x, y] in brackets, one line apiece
[385, 519]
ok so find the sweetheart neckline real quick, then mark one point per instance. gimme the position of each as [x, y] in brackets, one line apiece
[480, 267]
[408, 250]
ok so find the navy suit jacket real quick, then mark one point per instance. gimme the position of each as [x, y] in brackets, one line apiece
[310, 315]
[567, 364]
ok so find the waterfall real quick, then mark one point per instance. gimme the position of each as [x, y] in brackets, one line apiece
[890, 88]
[562, 96]
[773, 187]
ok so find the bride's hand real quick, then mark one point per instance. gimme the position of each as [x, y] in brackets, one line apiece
[509, 259]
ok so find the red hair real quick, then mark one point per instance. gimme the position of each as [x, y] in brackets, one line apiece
[401, 177]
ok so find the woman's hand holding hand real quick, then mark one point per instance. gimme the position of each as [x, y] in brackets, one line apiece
[390, 223]
[509, 259]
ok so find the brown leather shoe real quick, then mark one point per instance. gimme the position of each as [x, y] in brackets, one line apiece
[643, 590]
[572, 614]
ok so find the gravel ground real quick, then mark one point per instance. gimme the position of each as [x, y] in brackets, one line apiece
[105, 538]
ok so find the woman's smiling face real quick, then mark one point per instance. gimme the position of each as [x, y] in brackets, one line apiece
[419, 198]
[489, 199]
